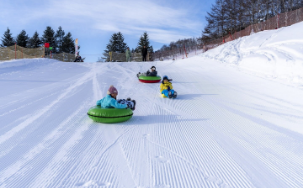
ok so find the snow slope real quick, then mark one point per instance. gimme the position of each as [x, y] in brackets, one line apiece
[275, 54]
[226, 129]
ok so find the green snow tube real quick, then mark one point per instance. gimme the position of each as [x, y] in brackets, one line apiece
[149, 79]
[109, 115]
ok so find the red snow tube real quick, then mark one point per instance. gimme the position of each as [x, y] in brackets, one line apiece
[149, 79]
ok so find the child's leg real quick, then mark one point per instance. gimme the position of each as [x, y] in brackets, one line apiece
[174, 95]
[122, 101]
[166, 93]
[131, 104]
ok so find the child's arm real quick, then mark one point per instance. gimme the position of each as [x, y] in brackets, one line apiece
[171, 86]
[99, 103]
[153, 73]
[161, 88]
[115, 104]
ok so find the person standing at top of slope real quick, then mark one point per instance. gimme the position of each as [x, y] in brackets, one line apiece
[128, 55]
[78, 59]
[151, 72]
[144, 53]
[110, 101]
[166, 88]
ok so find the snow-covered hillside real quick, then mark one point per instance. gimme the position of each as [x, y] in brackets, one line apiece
[226, 128]
[275, 54]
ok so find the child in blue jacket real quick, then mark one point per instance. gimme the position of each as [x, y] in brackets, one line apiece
[110, 101]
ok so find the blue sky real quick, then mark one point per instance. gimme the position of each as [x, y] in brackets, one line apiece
[94, 21]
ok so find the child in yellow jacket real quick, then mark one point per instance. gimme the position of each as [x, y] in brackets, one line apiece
[166, 88]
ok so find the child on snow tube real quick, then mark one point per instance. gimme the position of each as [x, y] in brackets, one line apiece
[166, 88]
[110, 101]
[151, 72]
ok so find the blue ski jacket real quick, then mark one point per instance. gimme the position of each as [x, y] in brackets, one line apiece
[109, 102]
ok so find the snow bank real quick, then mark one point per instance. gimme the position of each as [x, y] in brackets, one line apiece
[275, 54]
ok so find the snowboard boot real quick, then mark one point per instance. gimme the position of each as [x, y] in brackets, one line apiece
[169, 94]
[134, 107]
[175, 95]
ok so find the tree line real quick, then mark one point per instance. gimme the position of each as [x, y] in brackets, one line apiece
[189, 44]
[229, 16]
[117, 44]
[178, 48]
[60, 41]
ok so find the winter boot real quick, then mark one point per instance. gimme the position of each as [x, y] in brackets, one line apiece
[134, 107]
[169, 94]
[128, 99]
[175, 95]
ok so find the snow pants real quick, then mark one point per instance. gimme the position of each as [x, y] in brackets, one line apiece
[165, 92]
[130, 104]
[128, 59]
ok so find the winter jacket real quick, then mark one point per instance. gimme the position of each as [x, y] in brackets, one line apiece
[164, 86]
[128, 53]
[153, 73]
[78, 58]
[144, 51]
[110, 102]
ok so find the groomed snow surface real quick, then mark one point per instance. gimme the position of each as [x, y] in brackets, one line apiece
[230, 126]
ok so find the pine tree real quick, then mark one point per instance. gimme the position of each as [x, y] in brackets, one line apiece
[59, 39]
[49, 37]
[35, 41]
[121, 45]
[22, 39]
[144, 41]
[7, 39]
[68, 44]
[151, 49]
[112, 46]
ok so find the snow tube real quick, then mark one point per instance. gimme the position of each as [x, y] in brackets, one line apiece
[163, 96]
[109, 115]
[149, 79]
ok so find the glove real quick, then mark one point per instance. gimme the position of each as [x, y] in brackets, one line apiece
[168, 88]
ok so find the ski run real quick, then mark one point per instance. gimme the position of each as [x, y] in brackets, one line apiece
[237, 121]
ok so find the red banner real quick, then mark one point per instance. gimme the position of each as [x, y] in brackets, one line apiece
[46, 45]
